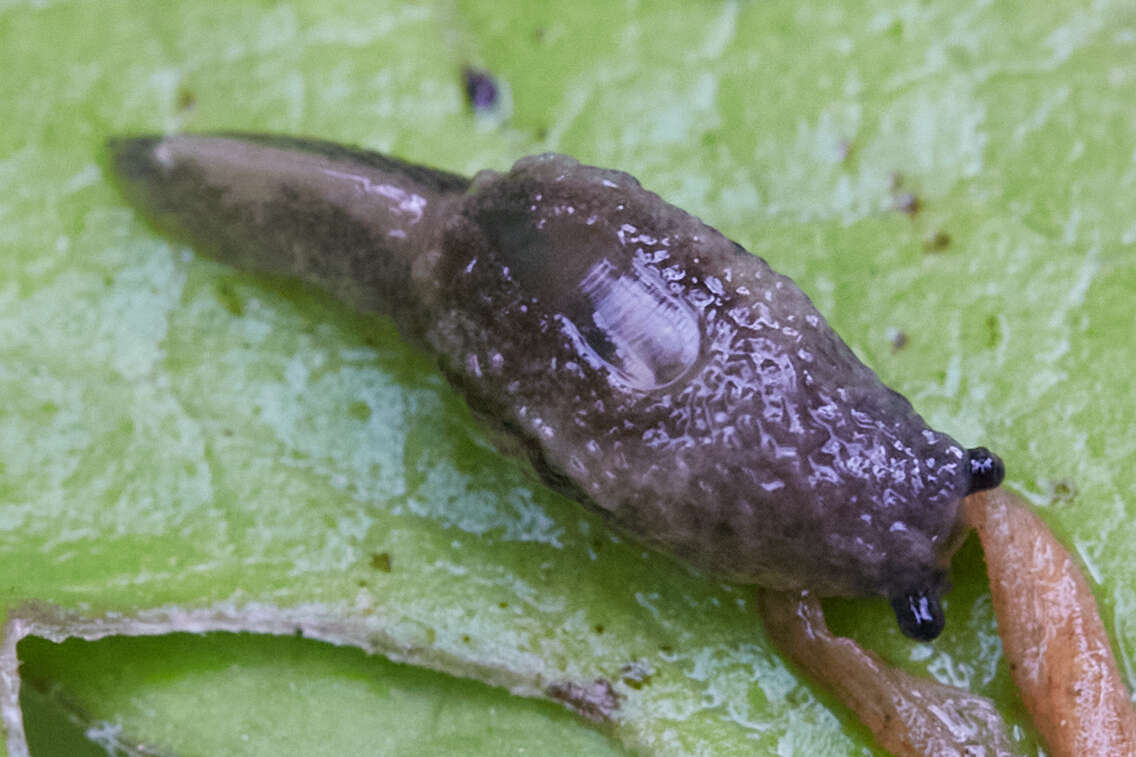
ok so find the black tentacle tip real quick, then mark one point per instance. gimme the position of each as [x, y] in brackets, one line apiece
[985, 468]
[919, 614]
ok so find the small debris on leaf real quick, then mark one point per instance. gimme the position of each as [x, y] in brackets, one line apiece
[937, 241]
[480, 88]
[596, 701]
[906, 202]
[636, 674]
[898, 339]
[186, 99]
[1064, 492]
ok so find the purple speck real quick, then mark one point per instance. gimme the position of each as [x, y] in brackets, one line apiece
[480, 88]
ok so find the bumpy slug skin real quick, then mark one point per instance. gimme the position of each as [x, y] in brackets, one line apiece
[649, 368]
[687, 390]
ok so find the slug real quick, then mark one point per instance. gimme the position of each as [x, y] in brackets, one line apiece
[648, 367]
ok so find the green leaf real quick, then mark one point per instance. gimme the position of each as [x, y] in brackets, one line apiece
[249, 694]
[187, 448]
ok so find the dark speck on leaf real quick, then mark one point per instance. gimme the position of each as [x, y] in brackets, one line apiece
[186, 100]
[937, 241]
[636, 674]
[480, 88]
[1064, 491]
[898, 339]
[906, 202]
[381, 561]
[229, 298]
[993, 331]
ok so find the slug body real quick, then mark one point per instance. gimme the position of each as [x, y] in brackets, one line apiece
[648, 367]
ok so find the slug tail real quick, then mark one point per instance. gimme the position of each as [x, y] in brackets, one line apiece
[359, 224]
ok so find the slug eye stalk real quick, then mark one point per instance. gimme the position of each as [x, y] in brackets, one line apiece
[919, 614]
[985, 468]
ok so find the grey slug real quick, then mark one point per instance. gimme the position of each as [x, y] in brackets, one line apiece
[647, 366]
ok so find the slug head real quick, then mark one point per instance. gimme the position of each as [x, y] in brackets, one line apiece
[919, 612]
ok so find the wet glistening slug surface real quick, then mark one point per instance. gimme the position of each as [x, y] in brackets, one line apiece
[648, 367]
